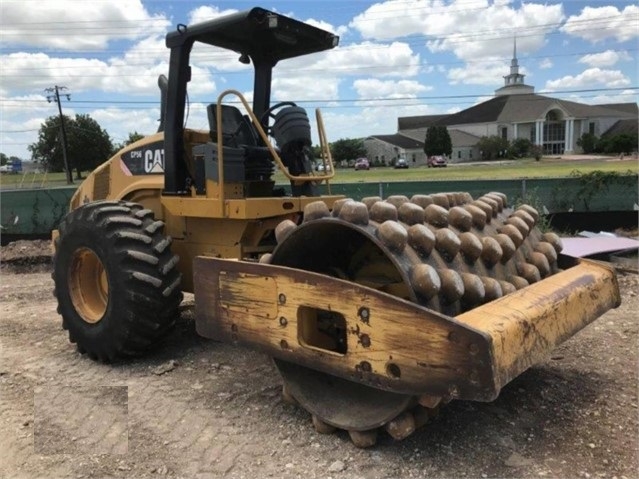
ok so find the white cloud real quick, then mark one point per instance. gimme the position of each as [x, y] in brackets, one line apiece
[134, 73]
[120, 122]
[368, 121]
[605, 59]
[394, 19]
[146, 51]
[72, 25]
[12, 106]
[302, 87]
[20, 120]
[625, 96]
[545, 64]
[592, 77]
[374, 88]
[340, 30]
[317, 76]
[483, 31]
[206, 13]
[598, 23]
[36, 71]
[471, 32]
[218, 58]
[396, 59]
[481, 73]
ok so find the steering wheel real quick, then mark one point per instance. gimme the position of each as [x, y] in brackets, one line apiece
[269, 113]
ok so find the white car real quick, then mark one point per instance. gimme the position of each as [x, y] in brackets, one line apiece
[6, 169]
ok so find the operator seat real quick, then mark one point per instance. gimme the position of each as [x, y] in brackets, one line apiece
[237, 130]
[239, 134]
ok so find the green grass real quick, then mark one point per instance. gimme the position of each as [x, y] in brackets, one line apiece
[34, 180]
[526, 168]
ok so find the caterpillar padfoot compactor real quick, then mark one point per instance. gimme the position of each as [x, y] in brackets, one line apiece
[375, 311]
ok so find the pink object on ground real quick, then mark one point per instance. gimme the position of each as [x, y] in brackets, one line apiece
[582, 247]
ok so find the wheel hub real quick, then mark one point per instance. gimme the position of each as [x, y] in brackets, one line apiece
[88, 285]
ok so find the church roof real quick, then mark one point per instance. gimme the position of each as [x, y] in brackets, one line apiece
[526, 108]
[631, 108]
[400, 141]
[515, 102]
[461, 138]
[412, 122]
[628, 126]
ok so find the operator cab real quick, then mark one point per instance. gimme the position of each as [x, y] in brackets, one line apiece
[262, 38]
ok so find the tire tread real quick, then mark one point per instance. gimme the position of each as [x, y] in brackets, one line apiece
[144, 280]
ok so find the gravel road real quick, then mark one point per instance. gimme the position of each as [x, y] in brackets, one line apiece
[200, 409]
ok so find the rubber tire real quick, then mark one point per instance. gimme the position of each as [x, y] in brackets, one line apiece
[143, 282]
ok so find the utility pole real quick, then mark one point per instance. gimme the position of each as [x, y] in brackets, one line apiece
[54, 95]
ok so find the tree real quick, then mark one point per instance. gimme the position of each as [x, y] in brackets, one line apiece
[624, 143]
[587, 142]
[88, 145]
[537, 151]
[132, 138]
[48, 149]
[316, 151]
[520, 147]
[3, 159]
[347, 149]
[438, 142]
[492, 147]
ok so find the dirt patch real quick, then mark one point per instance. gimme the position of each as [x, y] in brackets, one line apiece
[628, 233]
[199, 409]
[26, 256]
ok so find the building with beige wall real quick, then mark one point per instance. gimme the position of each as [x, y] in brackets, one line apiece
[515, 112]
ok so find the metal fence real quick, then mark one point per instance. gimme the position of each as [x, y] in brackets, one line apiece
[37, 211]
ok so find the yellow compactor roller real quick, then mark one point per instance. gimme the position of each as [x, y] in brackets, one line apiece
[375, 311]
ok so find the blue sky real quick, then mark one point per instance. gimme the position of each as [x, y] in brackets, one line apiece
[395, 58]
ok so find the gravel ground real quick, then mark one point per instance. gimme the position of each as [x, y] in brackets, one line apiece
[200, 409]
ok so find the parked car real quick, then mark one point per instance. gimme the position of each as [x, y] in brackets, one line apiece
[362, 164]
[437, 161]
[321, 167]
[401, 163]
[14, 166]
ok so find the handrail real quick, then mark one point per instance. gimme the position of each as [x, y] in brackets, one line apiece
[325, 150]
[258, 126]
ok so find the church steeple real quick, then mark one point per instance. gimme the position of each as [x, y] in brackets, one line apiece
[514, 82]
[514, 66]
[515, 78]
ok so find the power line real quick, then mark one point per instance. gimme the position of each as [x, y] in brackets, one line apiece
[508, 32]
[397, 103]
[55, 96]
[372, 67]
[134, 23]
[312, 10]
[352, 100]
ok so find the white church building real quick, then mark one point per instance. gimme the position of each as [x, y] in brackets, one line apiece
[514, 112]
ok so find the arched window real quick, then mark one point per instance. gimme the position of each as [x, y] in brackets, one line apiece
[554, 115]
[554, 132]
